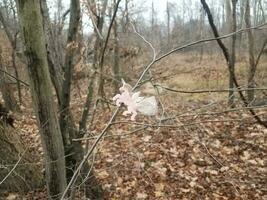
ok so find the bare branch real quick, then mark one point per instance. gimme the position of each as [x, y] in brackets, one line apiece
[88, 154]
[13, 169]
[10, 75]
[208, 91]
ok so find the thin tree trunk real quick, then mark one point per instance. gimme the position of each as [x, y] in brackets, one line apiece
[252, 66]
[67, 126]
[71, 51]
[152, 22]
[97, 48]
[6, 90]
[125, 19]
[242, 17]
[116, 67]
[54, 56]
[232, 55]
[42, 95]
[168, 24]
[14, 65]
[101, 62]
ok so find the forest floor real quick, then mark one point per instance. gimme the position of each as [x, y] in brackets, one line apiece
[205, 150]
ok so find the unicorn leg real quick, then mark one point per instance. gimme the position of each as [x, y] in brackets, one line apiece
[117, 96]
[127, 112]
[134, 113]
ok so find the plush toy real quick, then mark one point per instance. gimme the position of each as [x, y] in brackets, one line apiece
[133, 102]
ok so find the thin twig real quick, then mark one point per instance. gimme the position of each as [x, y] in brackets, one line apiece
[207, 91]
[15, 78]
[14, 167]
[88, 154]
[93, 22]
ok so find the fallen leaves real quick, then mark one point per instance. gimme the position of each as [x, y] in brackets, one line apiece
[160, 169]
[103, 174]
[141, 196]
[171, 163]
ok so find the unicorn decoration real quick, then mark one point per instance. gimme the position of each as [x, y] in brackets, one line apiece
[134, 102]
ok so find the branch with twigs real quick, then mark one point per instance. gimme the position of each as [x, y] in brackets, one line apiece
[156, 125]
[110, 123]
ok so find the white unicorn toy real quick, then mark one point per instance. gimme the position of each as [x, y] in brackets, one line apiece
[133, 102]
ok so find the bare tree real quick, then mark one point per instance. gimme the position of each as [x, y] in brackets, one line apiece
[232, 53]
[116, 67]
[227, 58]
[42, 95]
[71, 52]
[125, 16]
[103, 50]
[168, 23]
[252, 66]
[5, 87]
[98, 30]
[9, 98]
[55, 51]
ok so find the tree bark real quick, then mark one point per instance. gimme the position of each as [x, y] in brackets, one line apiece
[42, 95]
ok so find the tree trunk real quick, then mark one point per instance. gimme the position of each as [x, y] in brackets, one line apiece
[168, 24]
[14, 65]
[252, 66]
[67, 126]
[232, 55]
[152, 22]
[54, 52]
[103, 50]
[97, 48]
[241, 25]
[42, 95]
[71, 51]
[6, 90]
[116, 67]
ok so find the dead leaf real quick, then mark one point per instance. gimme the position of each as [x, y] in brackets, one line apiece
[103, 174]
[146, 138]
[245, 156]
[159, 194]
[119, 180]
[12, 197]
[140, 195]
[159, 186]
